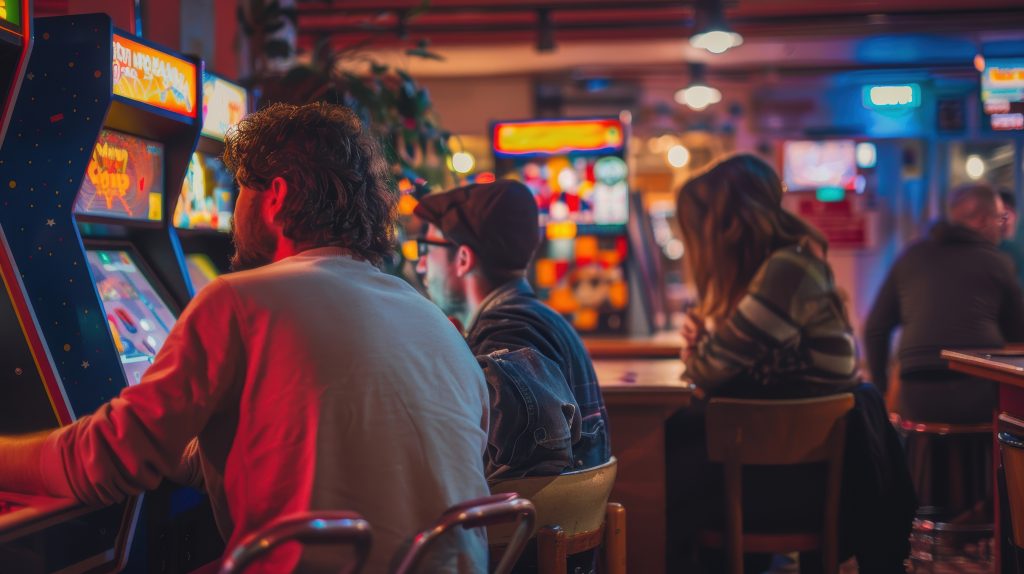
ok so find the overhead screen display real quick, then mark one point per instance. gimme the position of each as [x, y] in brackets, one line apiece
[207, 197]
[125, 179]
[224, 105]
[813, 165]
[147, 75]
[1002, 85]
[573, 167]
[138, 318]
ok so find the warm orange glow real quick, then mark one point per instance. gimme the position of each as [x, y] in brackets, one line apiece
[558, 137]
[562, 300]
[406, 204]
[618, 294]
[609, 259]
[545, 273]
[561, 230]
[585, 320]
[410, 250]
[586, 249]
[149, 76]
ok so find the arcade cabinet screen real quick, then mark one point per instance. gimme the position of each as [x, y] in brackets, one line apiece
[812, 165]
[224, 105]
[573, 167]
[125, 179]
[137, 316]
[207, 197]
[201, 270]
[586, 190]
[1002, 85]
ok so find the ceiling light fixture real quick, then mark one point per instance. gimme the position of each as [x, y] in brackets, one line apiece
[545, 31]
[698, 95]
[712, 30]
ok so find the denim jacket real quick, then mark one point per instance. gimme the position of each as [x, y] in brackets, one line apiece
[542, 386]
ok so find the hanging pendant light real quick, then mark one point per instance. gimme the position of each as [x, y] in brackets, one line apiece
[698, 95]
[712, 30]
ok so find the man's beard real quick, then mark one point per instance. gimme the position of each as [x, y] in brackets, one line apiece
[448, 297]
[255, 243]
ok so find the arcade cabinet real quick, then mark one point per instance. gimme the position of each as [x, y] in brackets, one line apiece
[15, 47]
[101, 136]
[577, 172]
[203, 213]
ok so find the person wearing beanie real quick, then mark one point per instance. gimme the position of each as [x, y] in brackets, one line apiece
[547, 413]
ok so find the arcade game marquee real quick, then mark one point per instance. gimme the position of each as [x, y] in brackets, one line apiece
[100, 139]
[204, 209]
[577, 172]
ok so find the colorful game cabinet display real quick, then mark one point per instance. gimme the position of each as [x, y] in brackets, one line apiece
[125, 178]
[92, 172]
[206, 205]
[138, 318]
[578, 175]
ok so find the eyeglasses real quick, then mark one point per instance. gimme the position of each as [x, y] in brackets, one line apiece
[413, 249]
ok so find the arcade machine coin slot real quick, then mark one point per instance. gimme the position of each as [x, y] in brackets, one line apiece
[115, 117]
[202, 216]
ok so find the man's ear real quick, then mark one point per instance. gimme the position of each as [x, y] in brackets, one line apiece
[276, 194]
[465, 261]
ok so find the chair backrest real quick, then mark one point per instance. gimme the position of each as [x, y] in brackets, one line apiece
[574, 501]
[341, 528]
[477, 513]
[1013, 466]
[783, 432]
[776, 432]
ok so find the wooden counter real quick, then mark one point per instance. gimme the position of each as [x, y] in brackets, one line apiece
[1006, 367]
[664, 345]
[640, 396]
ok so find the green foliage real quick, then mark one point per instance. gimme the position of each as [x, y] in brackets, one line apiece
[396, 109]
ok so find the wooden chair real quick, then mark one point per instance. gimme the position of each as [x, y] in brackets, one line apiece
[476, 513]
[784, 432]
[573, 516]
[339, 528]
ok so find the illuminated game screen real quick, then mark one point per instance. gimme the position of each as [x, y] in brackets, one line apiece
[207, 197]
[812, 165]
[138, 318]
[1002, 85]
[125, 179]
[201, 270]
[573, 167]
[224, 105]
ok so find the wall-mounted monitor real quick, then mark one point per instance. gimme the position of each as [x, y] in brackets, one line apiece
[124, 180]
[138, 317]
[809, 165]
[207, 198]
[224, 104]
[1002, 85]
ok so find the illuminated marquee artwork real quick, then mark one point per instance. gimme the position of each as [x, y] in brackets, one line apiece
[149, 76]
[558, 137]
[1002, 85]
[224, 105]
[124, 179]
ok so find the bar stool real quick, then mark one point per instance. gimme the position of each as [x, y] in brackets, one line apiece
[476, 513]
[573, 516]
[337, 528]
[783, 432]
[1012, 449]
[936, 536]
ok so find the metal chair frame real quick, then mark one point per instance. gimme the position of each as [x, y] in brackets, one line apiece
[477, 513]
[308, 527]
